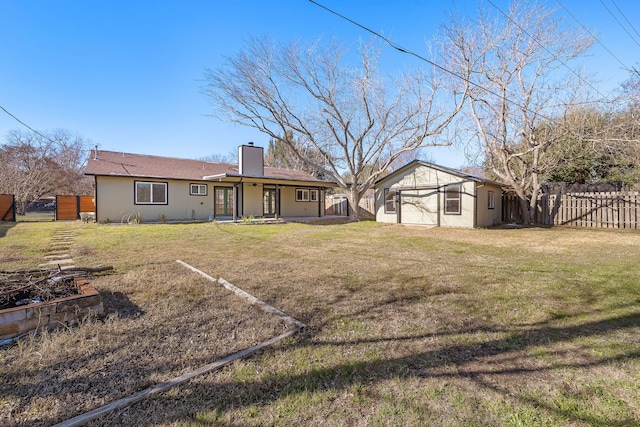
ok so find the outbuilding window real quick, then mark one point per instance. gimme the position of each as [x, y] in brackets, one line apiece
[492, 200]
[150, 193]
[389, 201]
[307, 195]
[452, 199]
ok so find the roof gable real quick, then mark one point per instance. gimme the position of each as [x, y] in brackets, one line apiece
[415, 163]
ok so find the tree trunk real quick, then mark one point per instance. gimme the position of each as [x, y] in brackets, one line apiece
[353, 198]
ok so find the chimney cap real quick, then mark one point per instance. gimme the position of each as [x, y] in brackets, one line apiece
[250, 143]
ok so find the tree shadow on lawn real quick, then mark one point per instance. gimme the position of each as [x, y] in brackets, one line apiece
[472, 362]
[120, 304]
[6, 226]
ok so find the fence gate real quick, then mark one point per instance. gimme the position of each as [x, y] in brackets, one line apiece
[7, 207]
[68, 208]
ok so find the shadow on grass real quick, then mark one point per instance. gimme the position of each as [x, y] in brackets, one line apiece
[472, 362]
[6, 226]
[120, 304]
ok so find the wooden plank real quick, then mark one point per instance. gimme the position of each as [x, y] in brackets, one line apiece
[7, 207]
[597, 212]
[165, 386]
[87, 204]
[253, 300]
[66, 208]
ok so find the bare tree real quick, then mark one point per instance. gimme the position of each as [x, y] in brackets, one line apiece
[520, 68]
[33, 165]
[68, 157]
[280, 155]
[350, 114]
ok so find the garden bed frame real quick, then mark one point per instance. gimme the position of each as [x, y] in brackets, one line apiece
[17, 321]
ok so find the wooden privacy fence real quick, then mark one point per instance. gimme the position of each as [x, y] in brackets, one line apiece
[594, 209]
[339, 206]
[7, 207]
[68, 208]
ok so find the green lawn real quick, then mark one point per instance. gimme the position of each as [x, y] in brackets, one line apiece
[406, 326]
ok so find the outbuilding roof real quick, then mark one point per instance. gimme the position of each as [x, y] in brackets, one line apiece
[111, 163]
[451, 171]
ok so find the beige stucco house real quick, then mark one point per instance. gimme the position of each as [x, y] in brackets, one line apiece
[172, 189]
[427, 194]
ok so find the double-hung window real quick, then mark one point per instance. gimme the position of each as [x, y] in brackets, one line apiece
[389, 201]
[492, 200]
[453, 199]
[150, 193]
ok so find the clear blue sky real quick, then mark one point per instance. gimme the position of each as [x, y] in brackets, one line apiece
[127, 75]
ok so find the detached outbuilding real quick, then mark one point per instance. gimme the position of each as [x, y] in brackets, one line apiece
[427, 194]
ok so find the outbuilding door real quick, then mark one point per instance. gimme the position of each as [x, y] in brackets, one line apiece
[419, 207]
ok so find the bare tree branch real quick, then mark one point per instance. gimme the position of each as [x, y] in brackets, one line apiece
[356, 121]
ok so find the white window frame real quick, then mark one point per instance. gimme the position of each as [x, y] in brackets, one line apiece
[199, 189]
[153, 188]
[387, 193]
[302, 194]
[313, 195]
[492, 200]
[447, 198]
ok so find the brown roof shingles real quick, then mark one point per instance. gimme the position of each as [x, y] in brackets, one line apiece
[111, 163]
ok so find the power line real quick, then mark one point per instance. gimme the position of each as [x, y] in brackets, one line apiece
[625, 18]
[440, 67]
[620, 23]
[545, 48]
[624, 67]
[26, 125]
[403, 50]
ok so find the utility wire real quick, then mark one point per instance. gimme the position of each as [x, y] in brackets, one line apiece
[624, 67]
[620, 23]
[545, 48]
[625, 18]
[422, 58]
[26, 125]
[440, 67]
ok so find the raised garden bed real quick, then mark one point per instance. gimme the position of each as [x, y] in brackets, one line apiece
[82, 300]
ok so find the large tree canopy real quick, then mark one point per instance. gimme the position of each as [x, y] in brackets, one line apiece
[603, 147]
[347, 114]
[521, 71]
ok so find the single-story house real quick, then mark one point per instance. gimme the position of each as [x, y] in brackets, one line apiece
[172, 189]
[427, 194]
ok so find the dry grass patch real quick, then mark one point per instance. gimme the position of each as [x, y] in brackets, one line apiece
[407, 325]
[162, 321]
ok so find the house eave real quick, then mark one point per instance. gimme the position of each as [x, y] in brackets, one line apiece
[267, 180]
